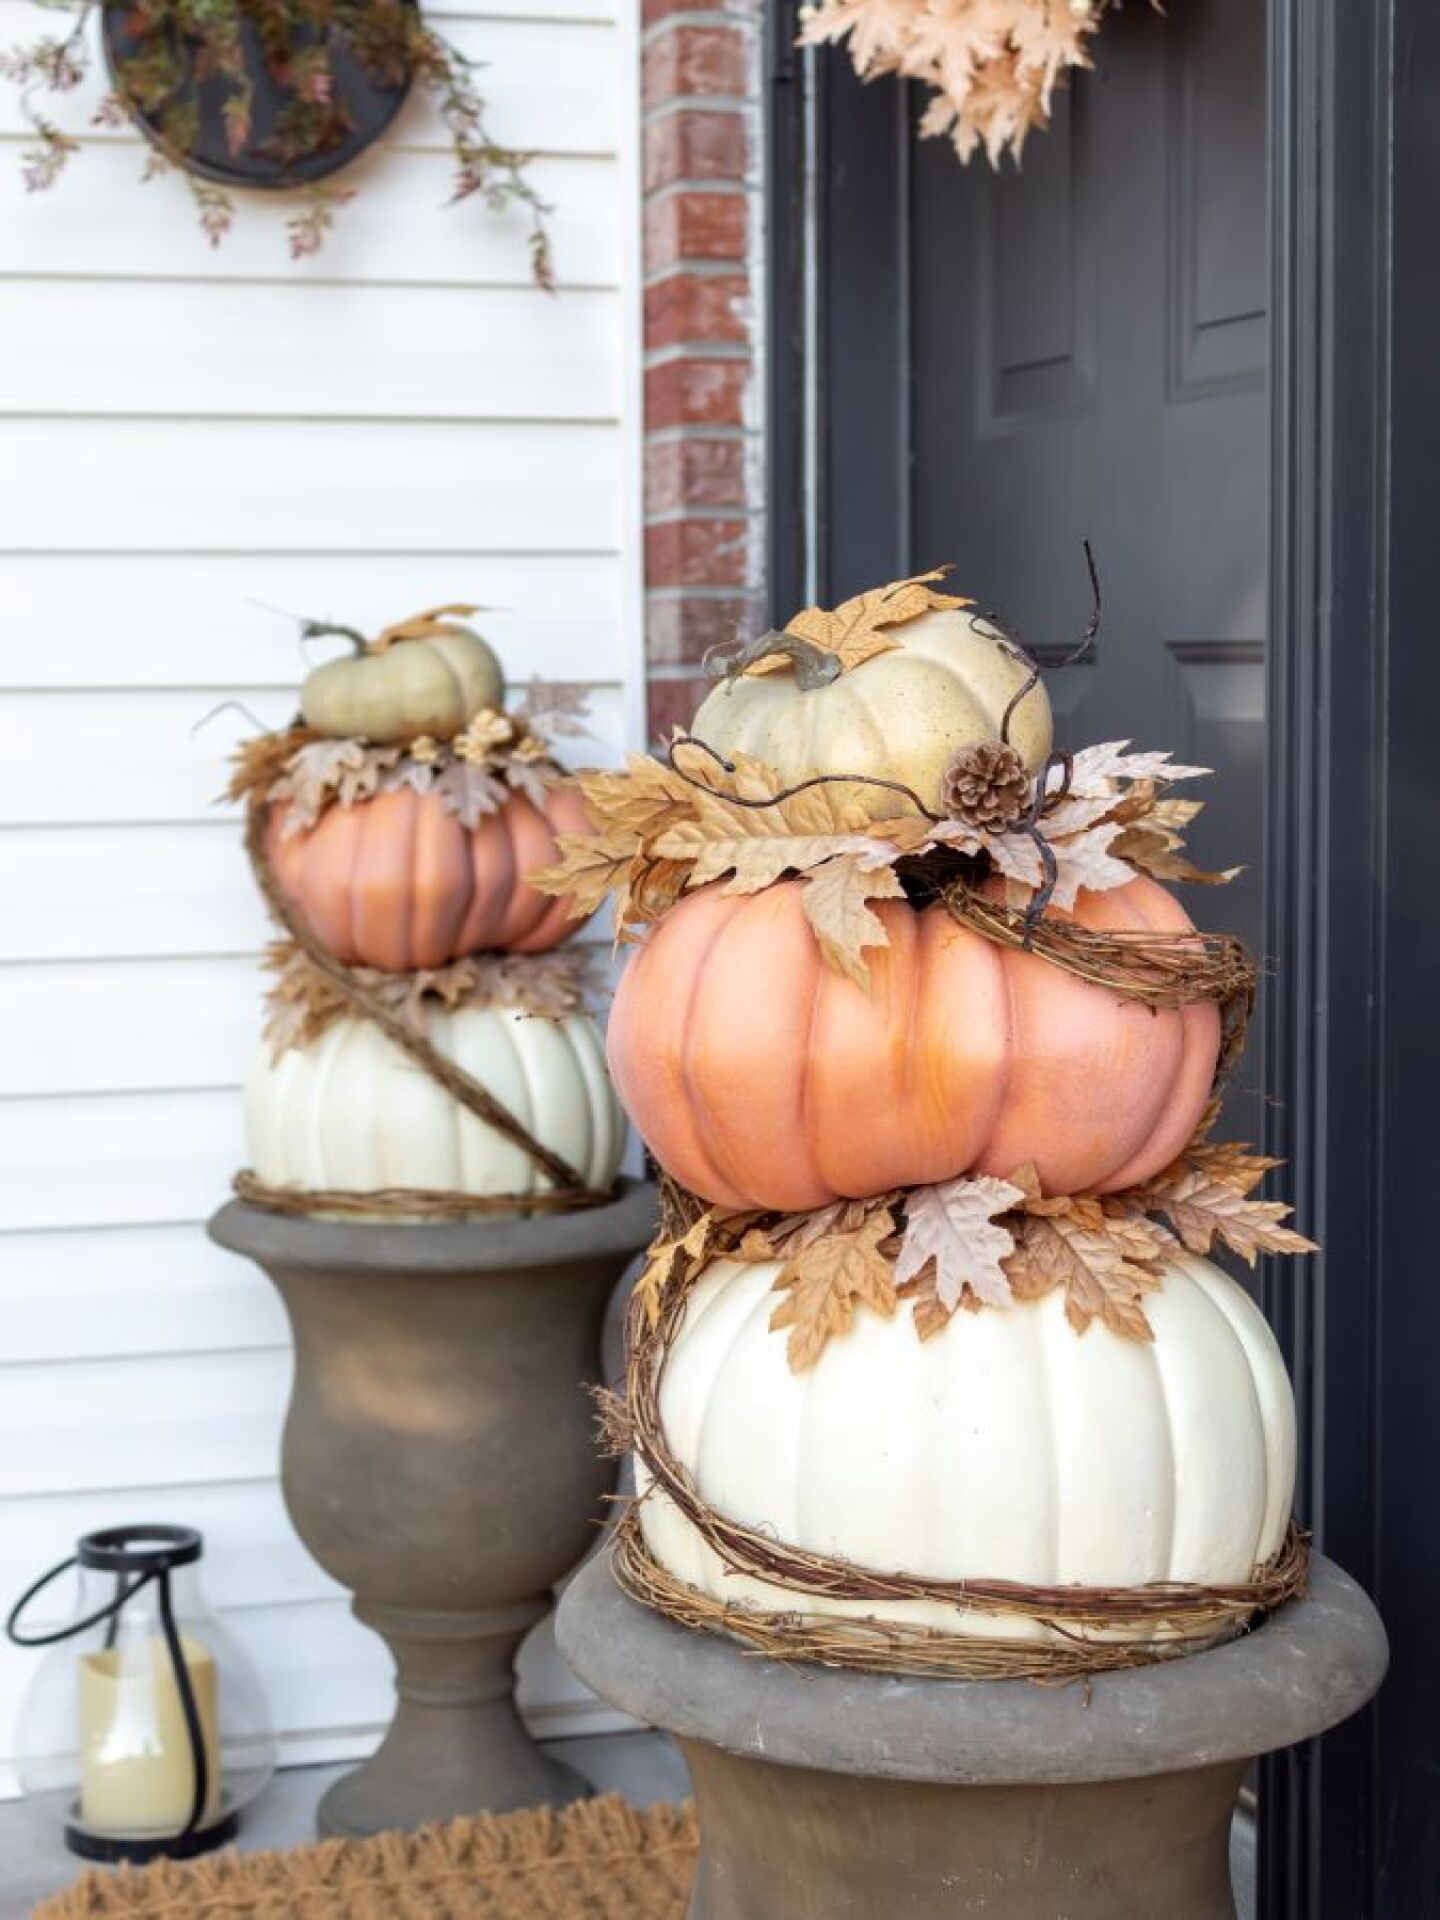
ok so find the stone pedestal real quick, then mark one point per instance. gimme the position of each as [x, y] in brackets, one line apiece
[439, 1461]
[826, 1795]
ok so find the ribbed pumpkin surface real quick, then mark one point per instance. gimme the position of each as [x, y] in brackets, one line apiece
[352, 1112]
[396, 882]
[760, 1076]
[1006, 1447]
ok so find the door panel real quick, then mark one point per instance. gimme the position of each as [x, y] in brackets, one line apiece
[1088, 340]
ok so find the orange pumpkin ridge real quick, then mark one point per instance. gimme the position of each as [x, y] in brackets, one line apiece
[759, 1076]
[396, 881]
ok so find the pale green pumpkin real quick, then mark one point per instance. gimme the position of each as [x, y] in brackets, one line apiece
[426, 676]
[902, 715]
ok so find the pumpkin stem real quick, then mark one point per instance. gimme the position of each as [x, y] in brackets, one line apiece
[815, 667]
[319, 629]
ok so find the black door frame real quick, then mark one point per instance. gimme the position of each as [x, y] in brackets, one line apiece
[1348, 1826]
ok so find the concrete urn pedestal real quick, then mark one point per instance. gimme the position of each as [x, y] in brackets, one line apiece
[439, 1461]
[828, 1795]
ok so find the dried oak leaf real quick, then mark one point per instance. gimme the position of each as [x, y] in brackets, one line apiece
[312, 777]
[756, 844]
[1094, 769]
[469, 792]
[952, 1248]
[555, 708]
[1205, 1197]
[856, 631]
[836, 900]
[825, 1281]
[1156, 850]
[1070, 1243]
[591, 866]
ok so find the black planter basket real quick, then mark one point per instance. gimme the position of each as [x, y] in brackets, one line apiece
[369, 105]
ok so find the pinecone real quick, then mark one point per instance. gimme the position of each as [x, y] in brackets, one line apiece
[986, 785]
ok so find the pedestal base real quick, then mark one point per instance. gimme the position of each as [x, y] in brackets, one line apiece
[826, 1795]
[439, 1461]
[457, 1742]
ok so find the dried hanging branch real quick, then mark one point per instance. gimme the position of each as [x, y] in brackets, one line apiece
[183, 47]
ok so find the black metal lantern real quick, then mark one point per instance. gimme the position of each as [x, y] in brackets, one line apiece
[146, 1723]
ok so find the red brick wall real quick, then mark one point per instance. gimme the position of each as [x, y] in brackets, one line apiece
[700, 103]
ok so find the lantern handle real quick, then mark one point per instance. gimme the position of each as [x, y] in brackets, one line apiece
[107, 1612]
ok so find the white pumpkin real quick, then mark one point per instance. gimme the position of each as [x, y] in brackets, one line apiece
[352, 1112]
[902, 715]
[1005, 1447]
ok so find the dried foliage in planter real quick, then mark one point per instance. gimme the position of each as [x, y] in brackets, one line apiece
[302, 1002]
[994, 65]
[179, 48]
[976, 1242]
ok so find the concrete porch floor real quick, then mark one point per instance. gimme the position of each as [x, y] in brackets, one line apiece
[642, 1766]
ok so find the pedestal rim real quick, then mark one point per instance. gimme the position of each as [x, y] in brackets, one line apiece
[479, 1246]
[1304, 1669]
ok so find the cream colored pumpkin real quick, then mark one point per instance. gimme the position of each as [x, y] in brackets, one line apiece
[1005, 1447]
[395, 692]
[902, 716]
[352, 1112]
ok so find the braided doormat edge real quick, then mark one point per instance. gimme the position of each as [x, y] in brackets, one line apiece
[598, 1859]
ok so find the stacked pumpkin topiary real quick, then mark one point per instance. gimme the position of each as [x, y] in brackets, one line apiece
[929, 1368]
[428, 1053]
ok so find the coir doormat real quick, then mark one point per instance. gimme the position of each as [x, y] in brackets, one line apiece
[596, 1860]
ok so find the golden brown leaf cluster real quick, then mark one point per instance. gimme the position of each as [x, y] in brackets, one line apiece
[978, 1242]
[302, 1001]
[993, 64]
[664, 826]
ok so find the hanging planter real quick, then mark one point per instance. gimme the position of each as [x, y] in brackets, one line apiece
[271, 94]
[994, 65]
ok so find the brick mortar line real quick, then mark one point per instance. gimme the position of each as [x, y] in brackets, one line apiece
[706, 353]
[674, 596]
[737, 103]
[682, 516]
[743, 24]
[708, 269]
[730, 185]
[702, 430]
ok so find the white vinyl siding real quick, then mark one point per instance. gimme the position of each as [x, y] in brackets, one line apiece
[191, 439]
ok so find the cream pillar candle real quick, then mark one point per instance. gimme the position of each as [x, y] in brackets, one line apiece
[138, 1769]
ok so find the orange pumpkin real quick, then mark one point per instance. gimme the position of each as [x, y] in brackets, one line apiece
[397, 882]
[761, 1077]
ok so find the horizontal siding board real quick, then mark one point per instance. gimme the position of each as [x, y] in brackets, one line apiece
[111, 1025]
[101, 222]
[549, 85]
[126, 891]
[171, 350]
[147, 1423]
[119, 1159]
[105, 1292]
[296, 486]
[124, 1026]
[253, 1557]
[209, 622]
[144, 761]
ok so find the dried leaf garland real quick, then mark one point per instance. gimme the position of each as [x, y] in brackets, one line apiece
[493, 758]
[302, 1003]
[978, 1243]
[666, 826]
